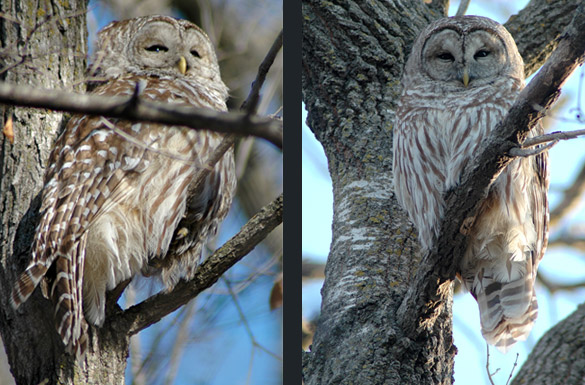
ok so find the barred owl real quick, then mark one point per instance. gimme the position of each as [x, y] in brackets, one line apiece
[463, 75]
[119, 197]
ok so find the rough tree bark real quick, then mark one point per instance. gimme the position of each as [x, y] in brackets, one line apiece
[44, 44]
[353, 54]
[559, 354]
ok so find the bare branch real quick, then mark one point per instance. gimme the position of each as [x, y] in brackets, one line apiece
[128, 108]
[463, 5]
[215, 156]
[525, 152]
[537, 29]
[553, 136]
[487, 365]
[311, 269]
[513, 367]
[576, 242]
[140, 316]
[428, 290]
[553, 287]
[251, 101]
[571, 198]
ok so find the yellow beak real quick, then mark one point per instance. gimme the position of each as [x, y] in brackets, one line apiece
[182, 65]
[465, 77]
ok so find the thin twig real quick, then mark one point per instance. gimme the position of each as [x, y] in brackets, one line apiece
[147, 147]
[463, 5]
[552, 137]
[202, 172]
[576, 242]
[513, 367]
[239, 310]
[525, 152]
[487, 365]
[571, 197]
[255, 343]
[251, 101]
[181, 339]
[553, 287]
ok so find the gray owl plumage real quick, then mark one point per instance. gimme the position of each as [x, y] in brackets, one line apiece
[463, 75]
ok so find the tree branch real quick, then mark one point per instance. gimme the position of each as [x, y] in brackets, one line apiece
[127, 108]
[537, 28]
[312, 269]
[463, 5]
[552, 137]
[142, 315]
[251, 101]
[576, 242]
[570, 198]
[527, 151]
[428, 289]
[552, 287]
[558, 356]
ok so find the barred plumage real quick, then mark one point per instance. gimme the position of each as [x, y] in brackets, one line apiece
[118, 197]
[463, 75]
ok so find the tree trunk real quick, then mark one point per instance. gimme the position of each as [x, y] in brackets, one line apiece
[43, 44]
[560, 354]
[353, 55]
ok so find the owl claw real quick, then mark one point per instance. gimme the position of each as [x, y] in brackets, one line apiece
[466, 225]
[182, 233]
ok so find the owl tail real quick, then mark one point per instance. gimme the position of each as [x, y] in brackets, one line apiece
[66, 294]
[507, 311]
[26, 283]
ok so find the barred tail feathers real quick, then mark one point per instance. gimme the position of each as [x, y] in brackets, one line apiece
[26, 283]
[67, 296]
[507, 311]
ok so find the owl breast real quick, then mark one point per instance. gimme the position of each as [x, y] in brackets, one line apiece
[132, 234]
[437, 139]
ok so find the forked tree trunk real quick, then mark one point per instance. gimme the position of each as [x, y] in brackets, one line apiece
[353, 55]
[44, 44]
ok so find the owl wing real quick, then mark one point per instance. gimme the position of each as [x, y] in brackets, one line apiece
[508, 306]
[87, 175]
[539, 191]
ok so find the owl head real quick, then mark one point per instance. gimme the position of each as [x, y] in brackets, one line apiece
[160, 46]
[461, 53]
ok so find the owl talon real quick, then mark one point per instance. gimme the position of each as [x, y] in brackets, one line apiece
[182, 233]
[466, 225]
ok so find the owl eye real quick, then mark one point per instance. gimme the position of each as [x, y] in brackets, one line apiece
[446, 56]
[195, 53]
[481, 53]
[157, 48]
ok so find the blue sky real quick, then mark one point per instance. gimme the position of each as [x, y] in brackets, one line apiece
[560, 264]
